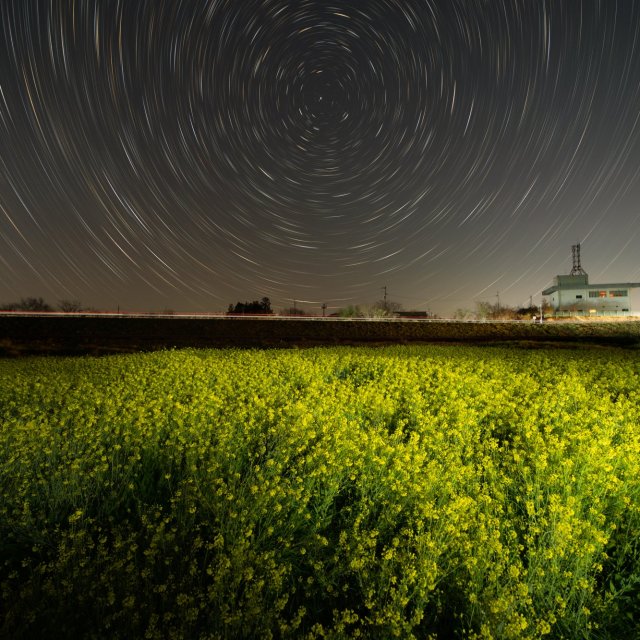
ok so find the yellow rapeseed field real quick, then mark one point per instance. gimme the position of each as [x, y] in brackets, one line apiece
[411, 492]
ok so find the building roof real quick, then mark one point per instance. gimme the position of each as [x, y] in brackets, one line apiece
[609, 285]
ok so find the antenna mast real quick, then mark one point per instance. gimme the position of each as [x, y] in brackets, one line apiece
[577, 269]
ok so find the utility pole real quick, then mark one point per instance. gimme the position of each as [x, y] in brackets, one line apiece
[498, 297]
[324, 308]
[385, 297]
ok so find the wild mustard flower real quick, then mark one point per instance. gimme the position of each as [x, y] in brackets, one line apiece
[322, 492]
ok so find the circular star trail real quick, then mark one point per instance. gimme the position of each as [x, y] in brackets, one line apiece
[191, 154]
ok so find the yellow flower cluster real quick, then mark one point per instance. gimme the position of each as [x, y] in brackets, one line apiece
[411, 492]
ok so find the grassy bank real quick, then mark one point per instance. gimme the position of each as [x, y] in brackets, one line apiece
[406, 491]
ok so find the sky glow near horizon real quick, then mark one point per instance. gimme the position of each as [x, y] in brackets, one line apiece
[188, 155]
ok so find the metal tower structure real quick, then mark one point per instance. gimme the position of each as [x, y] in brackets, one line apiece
[577, 269]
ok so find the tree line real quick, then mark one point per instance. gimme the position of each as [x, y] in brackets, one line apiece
[379, 309]
[261, 306]
[39, 304]
[489, 311]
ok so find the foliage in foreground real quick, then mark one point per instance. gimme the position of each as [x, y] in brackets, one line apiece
[329, 493]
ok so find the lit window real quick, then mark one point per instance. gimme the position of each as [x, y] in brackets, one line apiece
[618, 293]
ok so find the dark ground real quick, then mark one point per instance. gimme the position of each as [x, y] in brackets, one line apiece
[71, 335]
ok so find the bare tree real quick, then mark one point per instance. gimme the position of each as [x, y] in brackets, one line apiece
[70, 306]
[488, 311]
[384, 308]
[27, 304]
[462, 314]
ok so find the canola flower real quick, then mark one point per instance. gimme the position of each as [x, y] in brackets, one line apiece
[411, 492]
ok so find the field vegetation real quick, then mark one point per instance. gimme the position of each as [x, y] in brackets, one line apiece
[413, 492]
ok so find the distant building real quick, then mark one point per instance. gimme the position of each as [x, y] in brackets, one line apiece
[573, 295]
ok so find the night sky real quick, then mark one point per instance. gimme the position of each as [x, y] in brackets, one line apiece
[187, 154]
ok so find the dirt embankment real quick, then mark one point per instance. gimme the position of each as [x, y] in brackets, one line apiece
[81, 334]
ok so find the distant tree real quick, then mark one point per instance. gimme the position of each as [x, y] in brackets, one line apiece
[506, 313]
[257, 306]
[35, 304]
[70, 306]
[526, 313]
[462, 314]
[487, 311]
[376, 311]
[27, 304]
[351, 312]
[387, 307]
[484, 310]
[293, 311]
[382, 309]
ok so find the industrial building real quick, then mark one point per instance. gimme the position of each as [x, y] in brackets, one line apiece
[572, 295]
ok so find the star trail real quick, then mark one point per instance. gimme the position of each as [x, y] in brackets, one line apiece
[188, 154]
